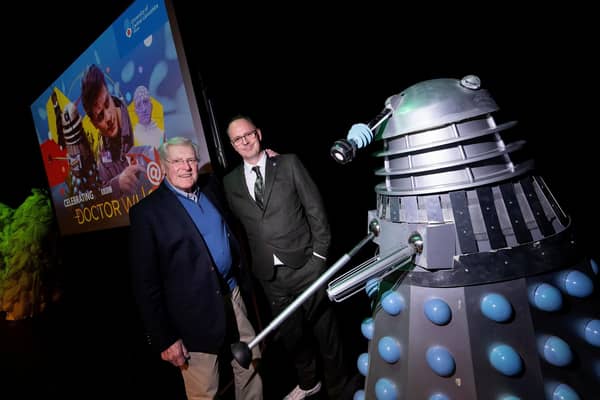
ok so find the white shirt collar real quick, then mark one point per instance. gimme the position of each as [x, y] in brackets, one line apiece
[262, 163]
[188, 195]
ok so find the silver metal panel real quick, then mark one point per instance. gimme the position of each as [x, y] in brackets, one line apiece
[423, 381]
[517, 332]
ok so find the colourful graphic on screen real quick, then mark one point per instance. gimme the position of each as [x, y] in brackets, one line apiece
[100, 123]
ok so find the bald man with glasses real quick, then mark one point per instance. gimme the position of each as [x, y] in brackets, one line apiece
[285, 221]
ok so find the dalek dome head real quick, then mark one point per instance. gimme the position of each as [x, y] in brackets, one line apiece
[71, 120]
[442, 136]
[434, 103]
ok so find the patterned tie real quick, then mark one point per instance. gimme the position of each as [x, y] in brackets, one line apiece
[258, 187]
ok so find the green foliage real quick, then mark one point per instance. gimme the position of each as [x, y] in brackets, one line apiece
[24, 258]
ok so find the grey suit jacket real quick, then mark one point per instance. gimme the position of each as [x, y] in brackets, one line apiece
[293, 223]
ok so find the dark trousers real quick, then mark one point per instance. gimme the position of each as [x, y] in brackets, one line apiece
[312, 330]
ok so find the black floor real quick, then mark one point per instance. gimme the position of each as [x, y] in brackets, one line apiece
[73, 352]
[90, 345]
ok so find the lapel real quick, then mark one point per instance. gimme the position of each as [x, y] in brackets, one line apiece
[178, 213]
[271, 171]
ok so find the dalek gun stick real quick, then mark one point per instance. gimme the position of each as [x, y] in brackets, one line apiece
[378, 267]
[242, 351]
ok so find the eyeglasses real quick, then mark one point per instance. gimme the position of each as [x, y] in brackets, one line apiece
[181, 162]
[245, 138]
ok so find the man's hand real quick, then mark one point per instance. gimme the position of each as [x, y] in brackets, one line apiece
[129, 178]
[271, 153]
[176, 354]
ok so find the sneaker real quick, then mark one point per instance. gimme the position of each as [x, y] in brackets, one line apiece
[299, 394]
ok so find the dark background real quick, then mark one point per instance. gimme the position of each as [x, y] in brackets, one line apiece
[305, 74]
